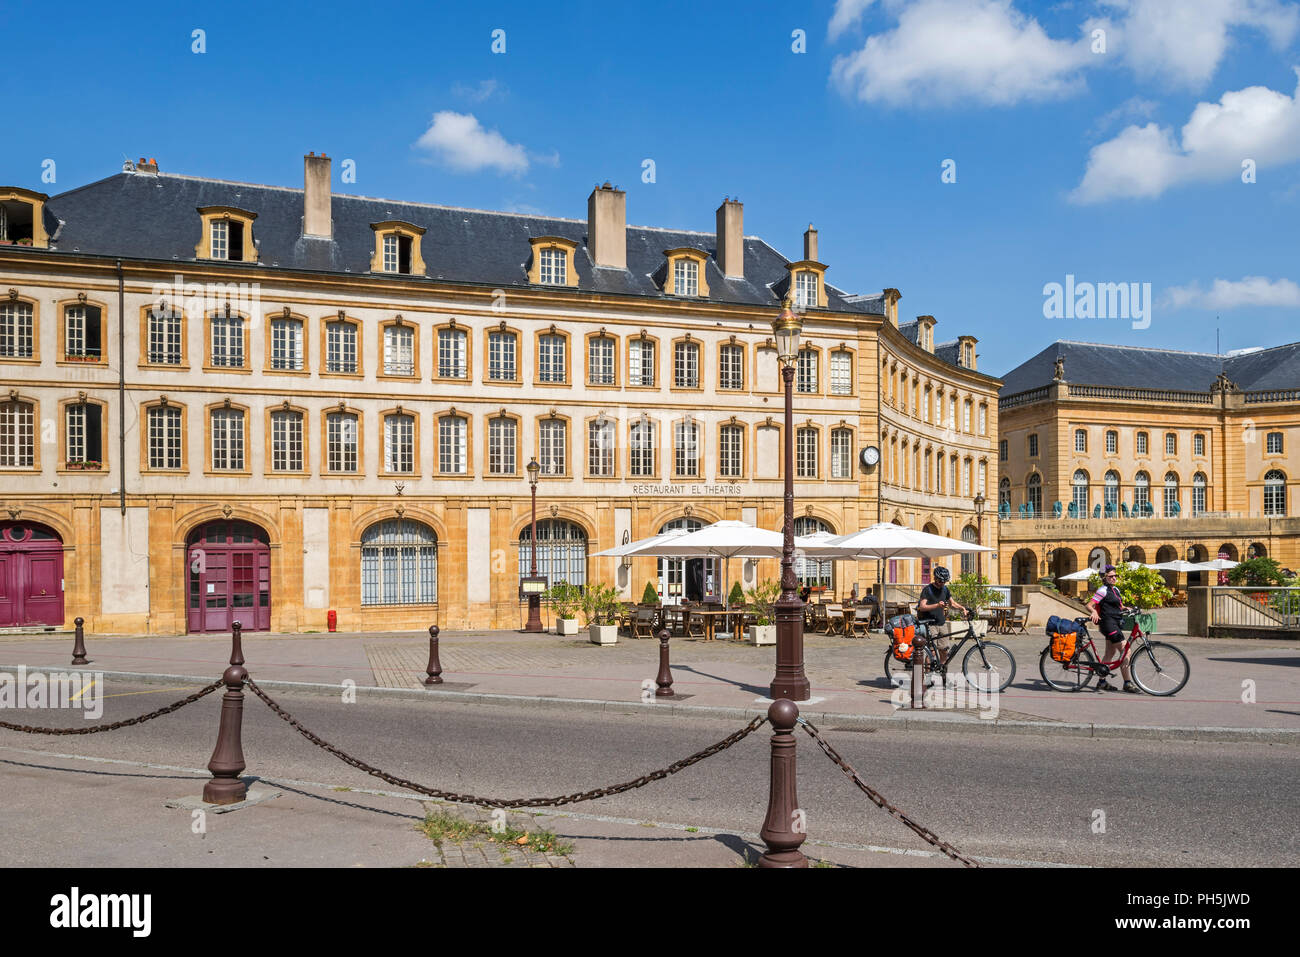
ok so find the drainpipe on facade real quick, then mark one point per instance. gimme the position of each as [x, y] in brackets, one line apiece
[121, 391]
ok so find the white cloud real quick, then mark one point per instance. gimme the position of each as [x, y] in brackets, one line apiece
[460, 142]
[1256, 124]
[1134, 108]
[1229, 294]
[847, 13]
[477, 94]
[945, 51]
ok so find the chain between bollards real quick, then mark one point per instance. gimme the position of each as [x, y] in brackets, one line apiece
[227, 763]
[665, 678]
[783, 828]
[79, 643]
[434, 671]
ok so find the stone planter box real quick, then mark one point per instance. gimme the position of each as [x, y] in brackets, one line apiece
[566, 626]
[603, 634]
[957, 629]
[762, 634]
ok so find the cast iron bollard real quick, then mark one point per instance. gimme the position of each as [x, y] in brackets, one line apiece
[665, 677]
[434, 671]
[918, 672]
[79, 643]
[783, 830]
[226, 786]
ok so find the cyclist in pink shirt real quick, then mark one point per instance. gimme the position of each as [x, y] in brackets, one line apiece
[1107, 609]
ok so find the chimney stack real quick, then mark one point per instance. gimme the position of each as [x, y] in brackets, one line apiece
[731, 239]
[607, 226]
[316, 218]
[810, 244]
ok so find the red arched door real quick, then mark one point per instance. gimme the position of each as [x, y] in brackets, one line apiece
[229, 577]
[31, 575]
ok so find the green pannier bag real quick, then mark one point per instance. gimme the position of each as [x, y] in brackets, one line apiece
[1145, 620]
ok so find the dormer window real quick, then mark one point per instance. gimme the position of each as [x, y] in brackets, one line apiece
[227, 240]
[552, 261]
[397, 248]
[397, 253]
[808, 284]
[686, 278]
[805, 289]
[554, 271]
[227, 235]
[684, 275]
[22, 214]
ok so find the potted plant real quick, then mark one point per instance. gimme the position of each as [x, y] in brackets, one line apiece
[971, 591]
[565, 599]
[758, 602]
[651, 594]
[736, 597]
[600, 605]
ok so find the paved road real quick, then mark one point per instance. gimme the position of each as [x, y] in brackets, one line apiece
[1013, 797]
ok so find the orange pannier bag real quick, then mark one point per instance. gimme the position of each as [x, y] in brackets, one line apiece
[903, 629]
[1064, 646]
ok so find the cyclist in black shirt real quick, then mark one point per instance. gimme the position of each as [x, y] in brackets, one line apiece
[1107, 609]
[932, 606]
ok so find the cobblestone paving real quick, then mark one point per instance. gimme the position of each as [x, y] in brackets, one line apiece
[479, 851]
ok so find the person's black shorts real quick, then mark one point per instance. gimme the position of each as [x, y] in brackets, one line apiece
[1110, 630]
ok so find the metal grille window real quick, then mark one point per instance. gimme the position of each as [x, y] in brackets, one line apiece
[686, 365]
[643, 449]
[600, 360]
[399, 350]
[453, 356]
[164, 437]
[286, 441]
[806, 453]
[164, 338]
[1112, 441]
[453, 431]
[805, 289]
[561, 551]
[810, 571]
[1171, 443]
[551, 359]
[731, 368]
[399, 564]
[286, 344]
[1110, 496]
[1034, 493]
[1198, 493]
[600, 448]
[390, 253]
[1275, 493]
[730, 443]
[686, 278]
[1198, 444]
[554, 267]
[341, 442]
[502, 434]
[1171, 492]
[553, 441]
[842, 376]
[399, 442]
[686, 448]
[1079, 491]
[81, 333]
[806, 376]
[841, 453]
[501, 357]
[1273, 443]
[228, 440]
[220, 238]
[341, 347]
[1141, 490]
[228, 341]
[641, 362]
[1141, 444]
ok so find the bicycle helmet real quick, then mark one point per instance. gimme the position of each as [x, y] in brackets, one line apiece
[940, 575]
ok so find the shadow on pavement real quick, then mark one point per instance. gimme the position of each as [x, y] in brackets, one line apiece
[758, 690]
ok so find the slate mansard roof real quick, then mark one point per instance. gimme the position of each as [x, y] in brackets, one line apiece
[154, 216]
[1090, 363]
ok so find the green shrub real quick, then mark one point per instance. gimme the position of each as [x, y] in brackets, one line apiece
[1257, 573]
[759, 601]
[651, 594]
[972, 591]
[736, 597]
[600, 604]
[1140, 587]
[566, 599]
[1048, 583]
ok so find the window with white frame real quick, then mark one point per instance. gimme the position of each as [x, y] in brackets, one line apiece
[390, 252]
[1034, 493]
[640, 362]
[686, 277]
[286, 345]
[1033, 446]
[925, 406]
[551, 359]
[1110, 493]
[1112, 441]
[642, 452]
[399, 564]
[805, 379]
[600, 360]
[952, 475]
[81, 333]
[842, 372]
[842, 453]
[686, 448]
[965, 416]
[1198, 493]
[164, 423]
[805, 286]
[286, 441]
[83, 437]
[397, 253]
[502, 436]
[220, 236]
[1198, 444]
[1171, 493]
[228, 440]
[341, 347]
[227, 341]
[600, 448]
[1273, 443]
[731, 441]
[399, 442]
[805, 453]
[399, 350]
[1171, 443]
[984, 477]
[1079, 490]
[501, 356]
[1141, 490]
[16, 330]
[731, 367]
[554, 267]
[1275, 492]
[553, 443]
[984, 419]
[1080, 440]
[952, 412]
[341, 442]
[1140, 444]
[453, 445]
[453, 354]
[164, 334]
[686, 365]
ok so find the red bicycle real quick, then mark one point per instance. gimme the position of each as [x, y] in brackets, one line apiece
[1158, 668]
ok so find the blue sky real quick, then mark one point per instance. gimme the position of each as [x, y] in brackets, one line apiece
[1069, 160]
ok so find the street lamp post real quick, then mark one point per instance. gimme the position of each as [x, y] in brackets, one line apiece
[790, 681]
[534, 599]
[979, 532]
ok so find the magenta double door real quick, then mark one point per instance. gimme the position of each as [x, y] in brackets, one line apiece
[229, 578]
[31, 576]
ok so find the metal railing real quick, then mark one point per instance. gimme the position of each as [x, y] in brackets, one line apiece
[1246, 606]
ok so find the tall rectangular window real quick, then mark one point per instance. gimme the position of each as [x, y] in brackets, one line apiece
[341, 442]
[453, 432]
[553, 270]
[391, 253]
[730, 443]
[1080, 440]
[806, 373]
[1171, 443]
[640, 362]
[164, 437]
[341, 347]
[228, 440]
[806, 289]
[220, 239]
[399, 350]
[600, 448]
[399, 443]
[552, 440]
[501, 356]
[686, 278]
[83, 434]
[842, 376]
[842, 454]
[965, 416]
[286, 441]
[925, 406]
[1273, 443]
[1002, 450]
[164, 338]
[16, 330]
[731, 367]
[502, 436]
[1112, 441]
[600, 360]
[82, 333]
[228, 341]
[984, 419]
[453, 354]
[686, 365]
[1141, 444]
[686, 448]
[551, 359]
[286, 344]
[642, 452]
[952, 412]
[806, 453]
[1033, 446]
[1198, 444]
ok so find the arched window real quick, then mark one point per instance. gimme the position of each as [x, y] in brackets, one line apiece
[809, 571]
[1171, 493]
[1198, 493]
[1112, 489]
[1141, 490]
[1034, 493]
[1079, 490]
[1275, 492]
[399, 563]
[969, 534]
[561, 551]
[1004, 492]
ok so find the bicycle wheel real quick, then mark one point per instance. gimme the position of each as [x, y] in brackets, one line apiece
[1159, 668]
[979, 669]
[899, 673]
[1075, 676]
